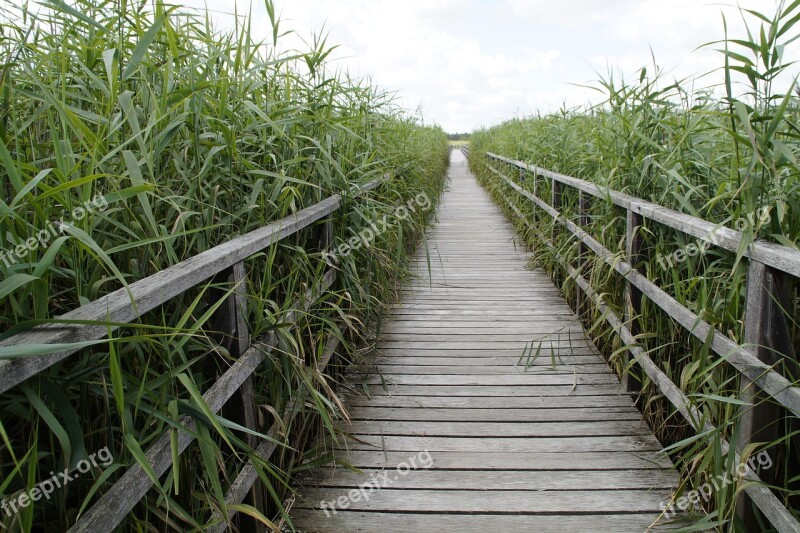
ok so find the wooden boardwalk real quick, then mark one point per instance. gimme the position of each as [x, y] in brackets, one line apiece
[458, 434]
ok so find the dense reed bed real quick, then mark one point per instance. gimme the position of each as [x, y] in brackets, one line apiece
[728, 154]
[139, 135]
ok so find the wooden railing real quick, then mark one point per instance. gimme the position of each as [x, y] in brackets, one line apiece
[464, 149]
[769, 266]
[74, 330]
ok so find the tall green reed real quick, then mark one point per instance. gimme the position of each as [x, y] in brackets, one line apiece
[726, 154]
[190, 136]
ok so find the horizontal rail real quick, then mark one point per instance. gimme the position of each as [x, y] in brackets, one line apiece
[127, 304]
[775, 255]
[740, 358]
[772, 507]
[123, 496]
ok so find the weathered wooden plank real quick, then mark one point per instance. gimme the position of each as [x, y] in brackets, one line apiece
[632, 313]
[505, 308]
[552, 460]
[581, 414]
[564, 347]
[499, 333]
[574, 353]
[475, 370]
[516, 300]
[374, 522]
[408, 312]
[531, 403]
[769, 338]
[583, 221]
[230, 321]
[528, 480]
[489, 380]
[487, 501]
[496, 429]
[493, 293]
[520, 326]
[509, 391]
[425, 323]
[629, 443]
[500, 363]
[535, 332]
[478, 282]
[511, 353]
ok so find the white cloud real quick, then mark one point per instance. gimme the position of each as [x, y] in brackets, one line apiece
[469, 63]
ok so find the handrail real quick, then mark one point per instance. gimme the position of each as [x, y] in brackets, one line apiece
[117, 502]
[765, 499]
[127, 304]
[777, 256]
[749, 364]
[743, 360]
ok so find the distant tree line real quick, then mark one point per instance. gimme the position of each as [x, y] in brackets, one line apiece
[458, 136]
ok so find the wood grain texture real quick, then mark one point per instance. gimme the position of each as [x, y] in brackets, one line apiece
[484, 368]
[373, 522]
[522, 461]
[744, 360]
[491, 501]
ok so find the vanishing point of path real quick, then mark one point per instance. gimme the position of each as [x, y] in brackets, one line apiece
[482, 442]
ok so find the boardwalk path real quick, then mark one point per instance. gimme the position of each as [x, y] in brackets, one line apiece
[550, 448]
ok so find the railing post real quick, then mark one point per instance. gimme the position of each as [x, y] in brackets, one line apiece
[633, 296]
[233, 332]
[767, 336]
[326, 235]
[555, 199]
[581, 306]
[555, 202]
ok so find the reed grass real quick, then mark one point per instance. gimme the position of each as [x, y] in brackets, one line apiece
[728, 154]
[190, 136]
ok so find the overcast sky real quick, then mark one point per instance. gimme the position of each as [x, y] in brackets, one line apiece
[472, 63]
